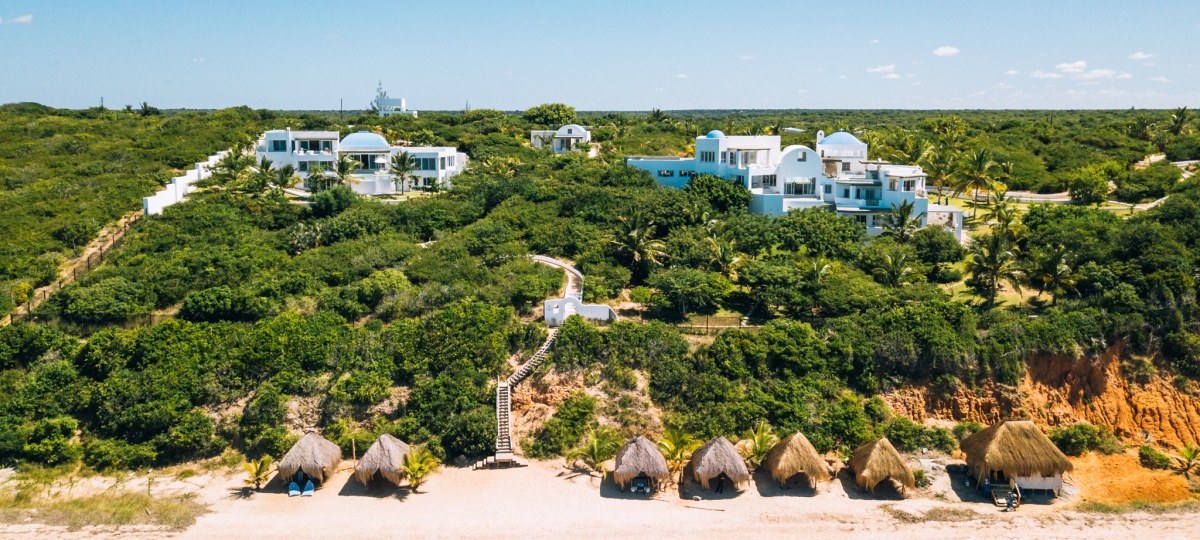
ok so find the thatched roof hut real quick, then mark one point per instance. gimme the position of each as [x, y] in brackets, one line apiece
[1014, 449]
[640, 456]
[877, 461]
[312, 454]
[718, 457]
[384, 457]
[794, 455]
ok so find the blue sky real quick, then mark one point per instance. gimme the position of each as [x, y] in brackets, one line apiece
[604, 55]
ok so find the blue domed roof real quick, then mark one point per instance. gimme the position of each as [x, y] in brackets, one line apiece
[715, 134]
[841, 137]
[364, 141]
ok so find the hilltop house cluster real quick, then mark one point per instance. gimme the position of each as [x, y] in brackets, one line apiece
[310, 151]
[837, 175]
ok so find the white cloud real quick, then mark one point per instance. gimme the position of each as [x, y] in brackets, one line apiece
[882, 69]
[199, 60]
[1160, 79]
[802, 91]
[945, 51]
[841, 76]
[1124, 76]
[331, 36]
[1140, 55]
[681, 76]
[1044, 75]
[891, 76]
[1073, 67]
[1102, 74]
[873, 41]
[745, 57]
[918, 83]
[1012, 72]
[23, 19]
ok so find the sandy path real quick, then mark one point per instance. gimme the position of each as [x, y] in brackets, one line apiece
[78, 266]
[547, 501]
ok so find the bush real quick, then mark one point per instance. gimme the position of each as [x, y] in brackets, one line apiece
[115, 454]
[723, 195]
[1151, 458]
[909, 436]
[111, 300]
[1082, 437]
[562, 431]
[965, 429]
[550, 114]
[333, 201]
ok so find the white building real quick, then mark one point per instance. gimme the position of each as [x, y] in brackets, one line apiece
[837, 175]
[561, 140]
[307, 150]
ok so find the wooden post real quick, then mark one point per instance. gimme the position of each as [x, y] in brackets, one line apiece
[353, 451]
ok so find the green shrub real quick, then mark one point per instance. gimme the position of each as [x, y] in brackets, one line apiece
[333, 201]
[116, 454]
[563, 430]
[965, 429]
[110, 300]
[909, 436]
[1151, 458]
[1080, 438]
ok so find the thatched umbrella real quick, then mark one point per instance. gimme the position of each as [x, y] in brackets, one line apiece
[717, 457]
[1014, 448]
[878, 460]
[384, 457]
[312, 454]
[794, 455]
[640, 456]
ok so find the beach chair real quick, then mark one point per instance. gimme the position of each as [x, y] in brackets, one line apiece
[293, 490]
[308, 489]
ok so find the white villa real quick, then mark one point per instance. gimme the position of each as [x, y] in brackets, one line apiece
[837, 175]
[561, 140]
[307, 150]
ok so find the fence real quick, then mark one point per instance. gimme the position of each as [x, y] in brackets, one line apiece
[78, 269]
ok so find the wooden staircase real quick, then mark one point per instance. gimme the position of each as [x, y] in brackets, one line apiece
[504, 451]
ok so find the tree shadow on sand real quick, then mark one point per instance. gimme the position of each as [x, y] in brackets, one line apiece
[796, 486]
[377, 488]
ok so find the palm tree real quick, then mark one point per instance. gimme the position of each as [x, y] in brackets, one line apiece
[991, 260]
[901, 223]
[896, 269]
[634, 240]
[285, 177]
[1190, 455]
[939, 168]
[1005, 215]
[816, 269]
[1180, 119]
[724, 256]
[345, 167]
[403, 166]
[419, 464]
[976, 172]
[319, 179]
[910, 150]
[657, 117]
[600, 445]
[677, 446]
[1049, 272]
[756, 443]
[258, 471]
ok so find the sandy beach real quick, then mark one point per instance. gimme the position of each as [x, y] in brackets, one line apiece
[547, 500]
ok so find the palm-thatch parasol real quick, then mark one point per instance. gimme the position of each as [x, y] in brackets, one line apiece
[717, 457]
[878, 460]
[312, 454]
[794, 455]
[384, 457]
[1014, 448]
[640, 456]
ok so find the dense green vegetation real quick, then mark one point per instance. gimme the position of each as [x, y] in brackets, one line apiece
[335, 304]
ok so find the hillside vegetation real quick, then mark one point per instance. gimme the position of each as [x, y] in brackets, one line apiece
[335, 306]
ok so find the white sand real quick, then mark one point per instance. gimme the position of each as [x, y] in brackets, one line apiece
[547, 501]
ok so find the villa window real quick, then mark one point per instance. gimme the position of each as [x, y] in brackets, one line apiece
[910, 185]
[279, 146]
[665, 173]
[568, 131]
[326, 146]
[861, 219]
[687, 174]
[708, 157]
[428, 164]
[828, 189]
[846, 166]
[450, 160]
[804, 187]
[443, 164]
[723, 157]
[802, 156]
[846, 193]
